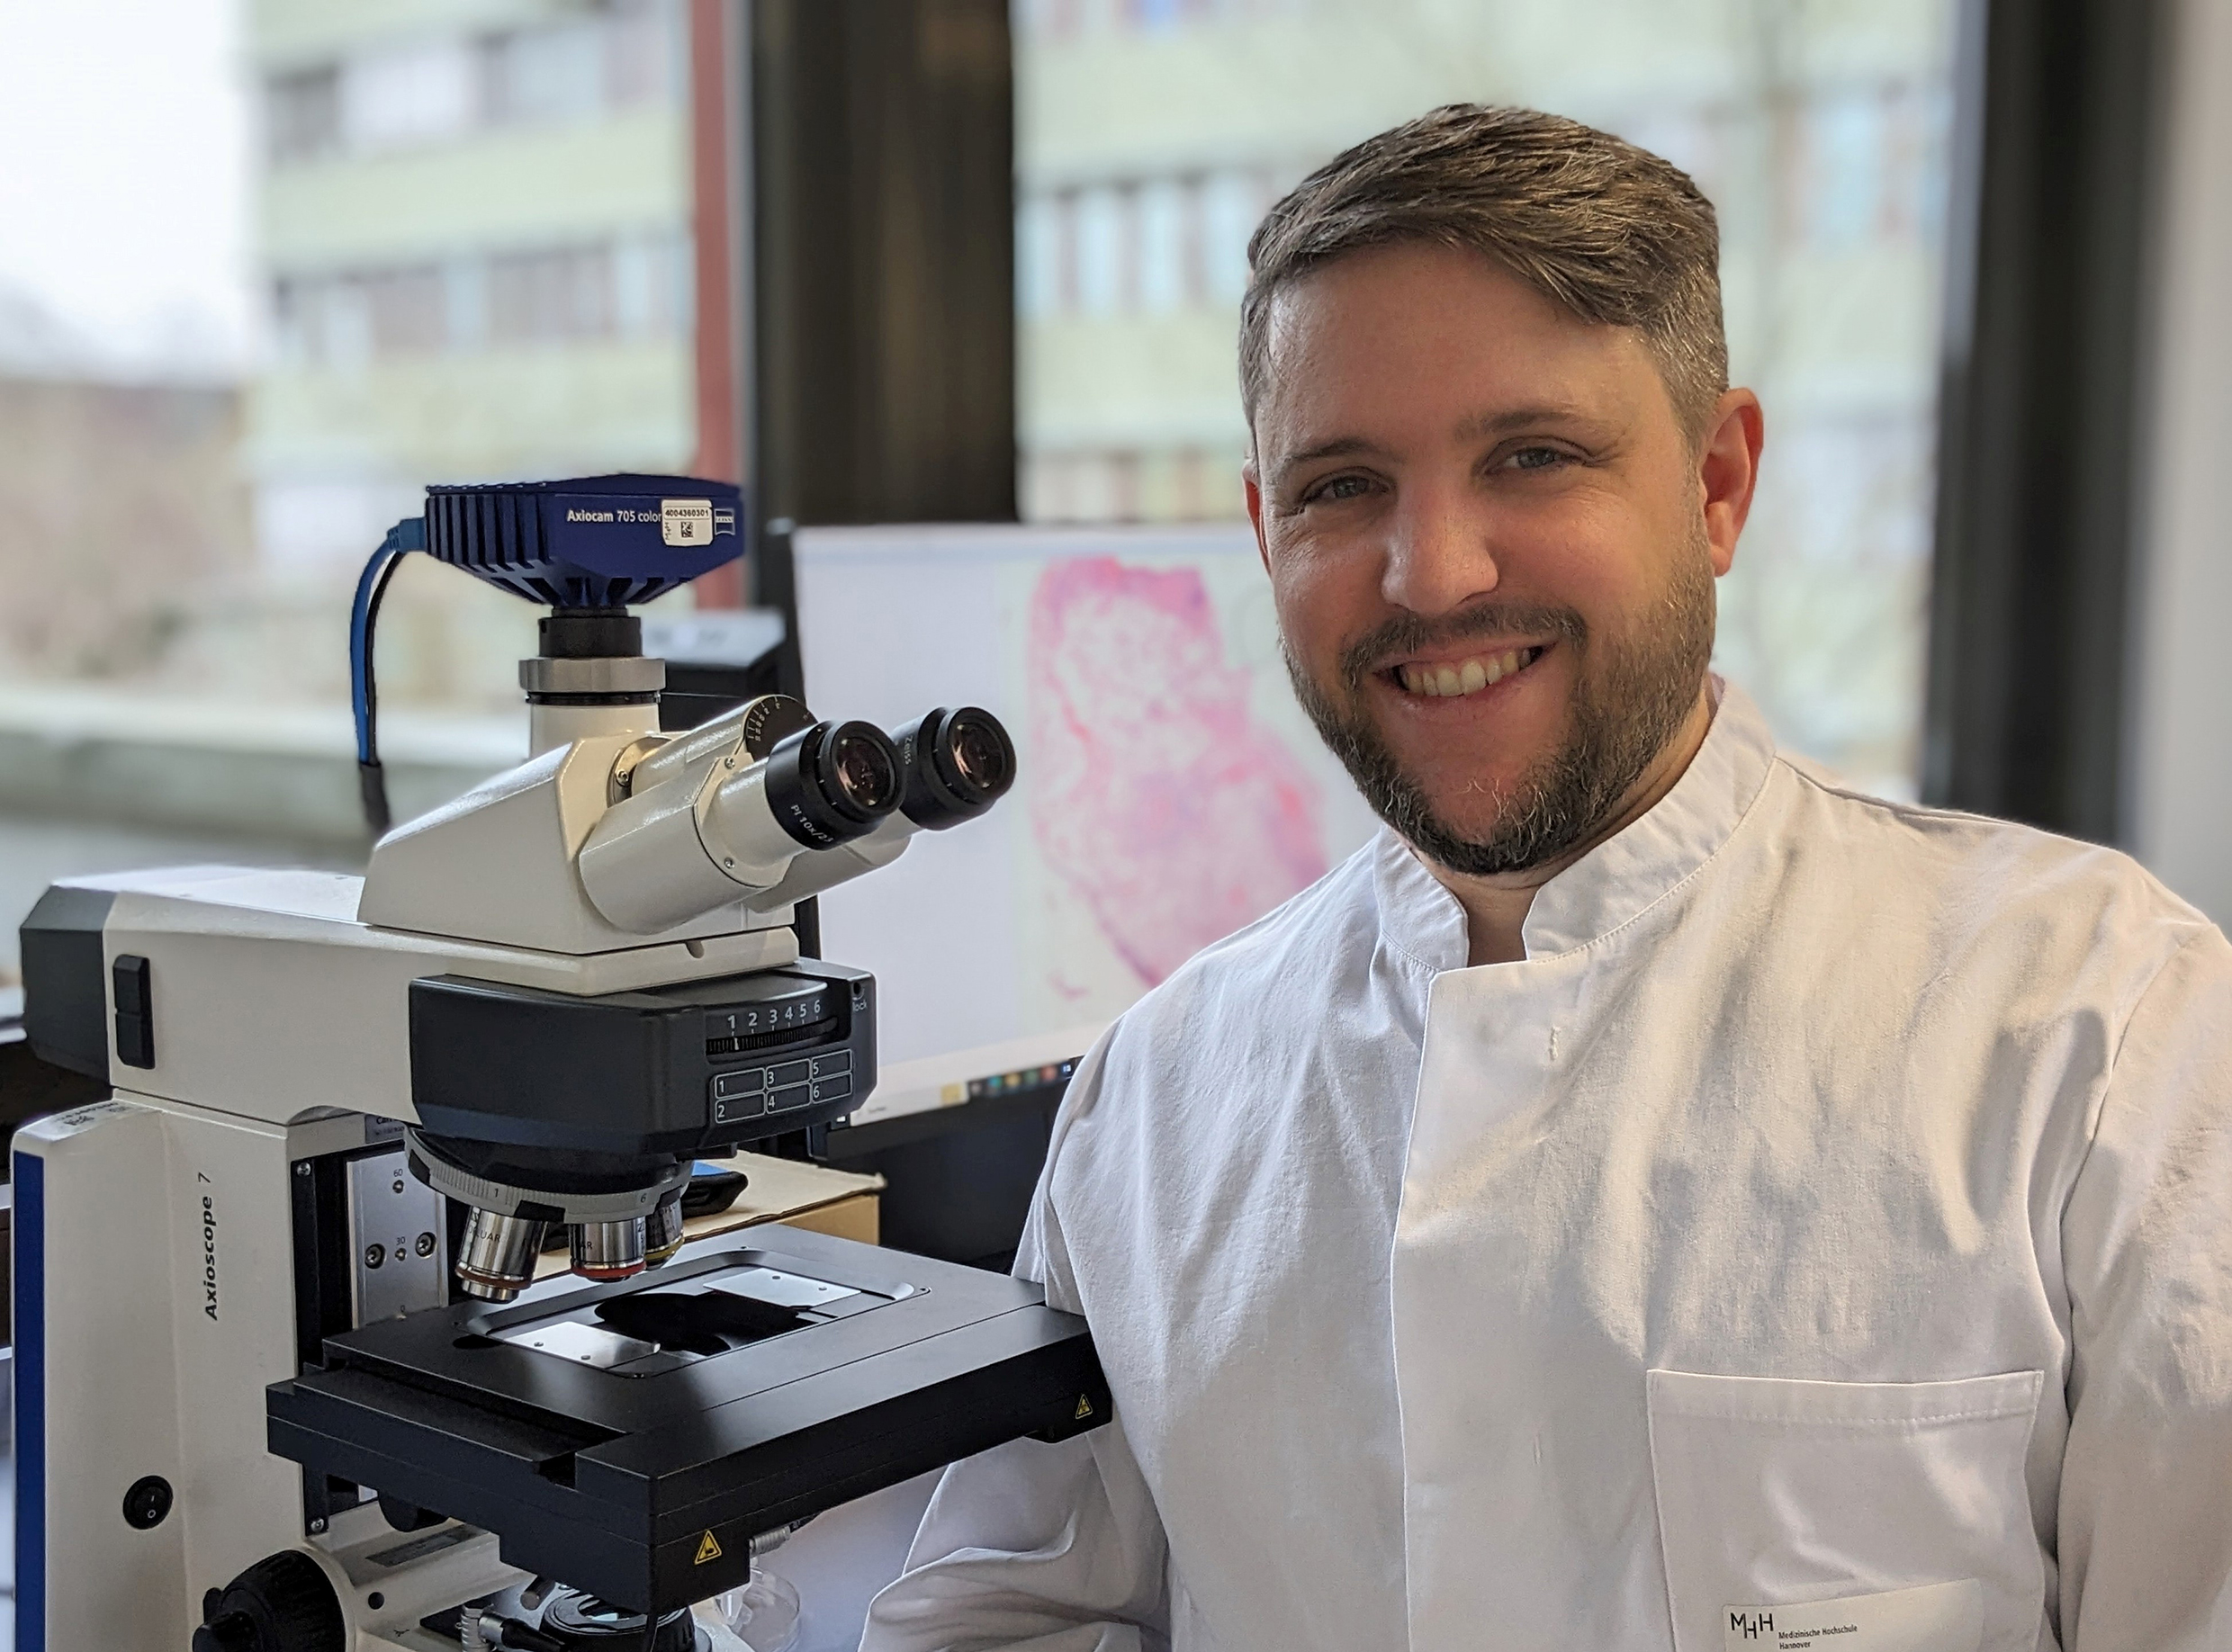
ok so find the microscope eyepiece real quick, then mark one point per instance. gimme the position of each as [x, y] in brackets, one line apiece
[982, 756]
[958, 764]
[833, 782]
[866, 771]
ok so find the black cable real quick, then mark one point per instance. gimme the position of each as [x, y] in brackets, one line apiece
[371, 777]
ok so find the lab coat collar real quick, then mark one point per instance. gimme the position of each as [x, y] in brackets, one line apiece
[1613, 883]
[1419, 919]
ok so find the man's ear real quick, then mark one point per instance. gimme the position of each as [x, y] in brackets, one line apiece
[1728, 471]
[1251, 484]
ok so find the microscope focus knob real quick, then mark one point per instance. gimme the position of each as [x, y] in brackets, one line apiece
[233, 1632]
[282, 1603]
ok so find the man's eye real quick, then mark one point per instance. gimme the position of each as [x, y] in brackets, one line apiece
[1339, 488]
[1536, 458]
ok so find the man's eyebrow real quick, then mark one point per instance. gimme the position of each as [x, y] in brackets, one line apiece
[1510, 420]
[1339, 447]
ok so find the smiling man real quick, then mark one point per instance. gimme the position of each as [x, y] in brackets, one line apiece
[1652, 1197]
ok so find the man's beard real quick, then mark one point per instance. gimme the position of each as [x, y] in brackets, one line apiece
[1624, 713]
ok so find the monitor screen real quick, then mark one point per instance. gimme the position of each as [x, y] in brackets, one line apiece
[1170, 789]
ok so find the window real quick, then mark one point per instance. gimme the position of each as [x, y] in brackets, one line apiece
[631, 287]
[482, 270]
[1151, 137]
[545, 74]
[303, 113]
[550, 296]
[405, 310]
[402, 96]
[298, 260]
[566, 67]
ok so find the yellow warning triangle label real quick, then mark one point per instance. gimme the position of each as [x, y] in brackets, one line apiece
[709, 1548]
[1085, 1406]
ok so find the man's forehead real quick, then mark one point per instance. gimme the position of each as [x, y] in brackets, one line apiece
[1390, 275]
[1436, 337]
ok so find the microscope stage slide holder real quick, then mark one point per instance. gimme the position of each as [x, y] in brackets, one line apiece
[632, 1439]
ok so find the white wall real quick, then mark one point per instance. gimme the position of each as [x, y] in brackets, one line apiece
[2183, 774]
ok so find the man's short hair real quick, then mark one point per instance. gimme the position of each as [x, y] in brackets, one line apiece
[1613, 233]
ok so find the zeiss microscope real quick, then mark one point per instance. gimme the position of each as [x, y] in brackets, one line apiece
[284, 1382]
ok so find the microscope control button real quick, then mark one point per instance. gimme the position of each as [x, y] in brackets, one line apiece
[130, 973]
[131, 978]
[147, 1502]
[832, 1064]
[729, 1110]
[789, 1072]
[832, 1088]
[783, 1100]
[750, 1081]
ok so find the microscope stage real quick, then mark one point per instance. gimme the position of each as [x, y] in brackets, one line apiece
[630, 1439]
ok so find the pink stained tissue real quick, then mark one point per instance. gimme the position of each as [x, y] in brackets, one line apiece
[1157, 797]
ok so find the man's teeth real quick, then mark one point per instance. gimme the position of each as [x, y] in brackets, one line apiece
[1466, 677]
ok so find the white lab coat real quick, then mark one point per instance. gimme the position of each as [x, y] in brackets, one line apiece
[1836, 1200]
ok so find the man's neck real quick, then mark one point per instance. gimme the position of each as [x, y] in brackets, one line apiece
[1496, 906]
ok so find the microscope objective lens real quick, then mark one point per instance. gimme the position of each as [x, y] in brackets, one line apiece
[496, 1258]
[663, 1235]
[610, 1250]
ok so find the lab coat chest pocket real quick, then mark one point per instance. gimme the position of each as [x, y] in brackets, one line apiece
[1773, 1492]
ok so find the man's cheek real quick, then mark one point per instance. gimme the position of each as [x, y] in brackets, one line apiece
[1315, 638]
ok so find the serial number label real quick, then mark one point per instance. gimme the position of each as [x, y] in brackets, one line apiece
[686, 522]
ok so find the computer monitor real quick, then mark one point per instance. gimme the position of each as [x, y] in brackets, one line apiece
[1171, 790]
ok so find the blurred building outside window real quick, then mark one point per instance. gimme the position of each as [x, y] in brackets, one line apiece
[268, 267]
[1152, 134]
[476, 244]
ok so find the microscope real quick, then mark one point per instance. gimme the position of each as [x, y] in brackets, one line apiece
[285, 1380]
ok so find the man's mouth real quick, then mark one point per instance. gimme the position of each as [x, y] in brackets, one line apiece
[1455, 678]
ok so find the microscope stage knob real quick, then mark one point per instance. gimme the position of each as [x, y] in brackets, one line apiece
[282, 1603]
[233, 1632]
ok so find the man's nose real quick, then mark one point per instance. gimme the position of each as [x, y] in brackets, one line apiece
[1439, 551]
